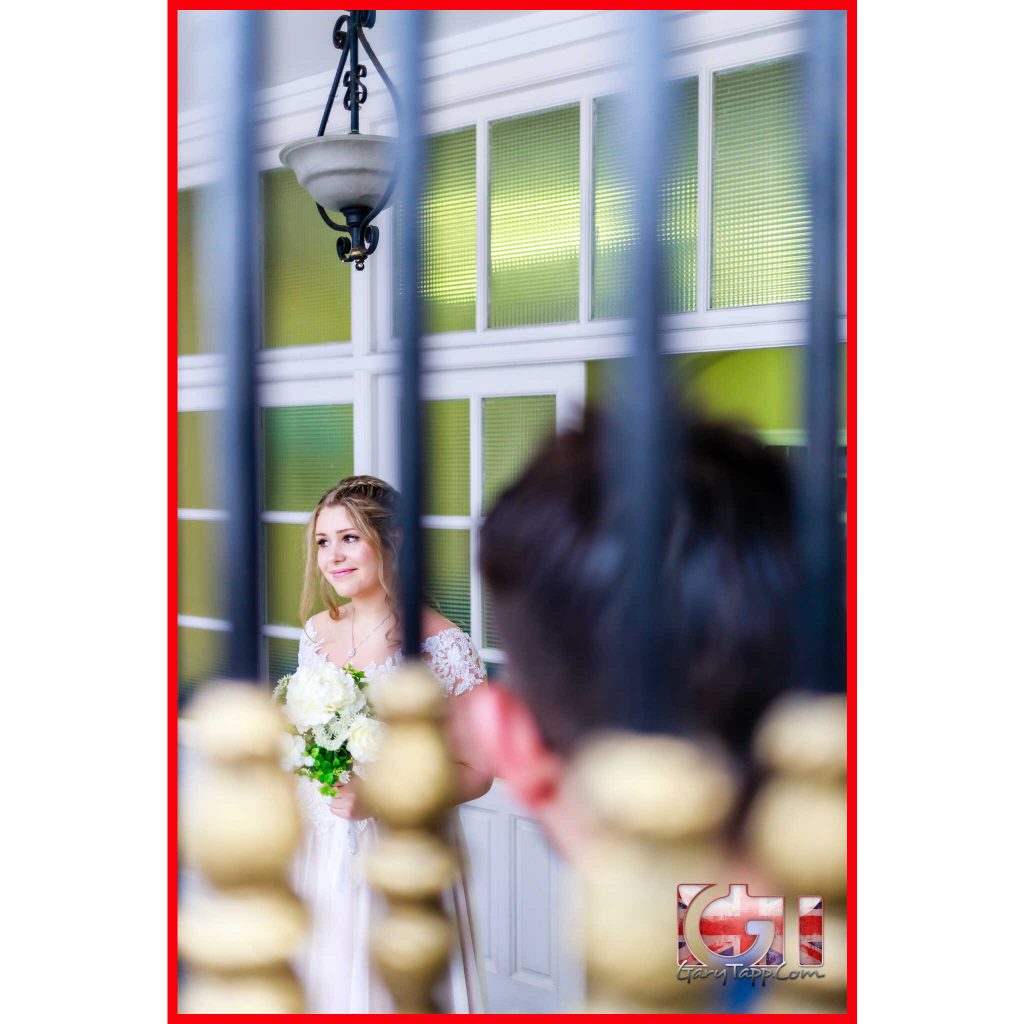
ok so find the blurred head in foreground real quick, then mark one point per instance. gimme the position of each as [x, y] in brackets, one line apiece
[553, 563]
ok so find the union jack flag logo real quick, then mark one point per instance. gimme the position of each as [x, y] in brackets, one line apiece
[810, 931]
[723, 925]
[730, 925]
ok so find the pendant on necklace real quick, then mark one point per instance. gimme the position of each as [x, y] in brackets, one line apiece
[350, 653]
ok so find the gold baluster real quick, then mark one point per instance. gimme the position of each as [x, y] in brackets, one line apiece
[410, 788]
[239, 829]
[796, 831]
[658, 805]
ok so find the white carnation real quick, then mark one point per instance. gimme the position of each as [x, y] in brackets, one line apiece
[318, 693]
[293, 753]
[364, 738]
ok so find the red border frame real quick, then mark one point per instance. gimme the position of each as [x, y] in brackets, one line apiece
[172, 511]
[172, 521]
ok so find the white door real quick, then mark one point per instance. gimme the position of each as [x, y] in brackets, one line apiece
[521, 893]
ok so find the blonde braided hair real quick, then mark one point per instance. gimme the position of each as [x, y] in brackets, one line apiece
[373, 506]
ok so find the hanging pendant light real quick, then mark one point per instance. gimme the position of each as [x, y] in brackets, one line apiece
[348, 173]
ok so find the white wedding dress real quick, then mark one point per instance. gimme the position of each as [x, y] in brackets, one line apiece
[335, 964]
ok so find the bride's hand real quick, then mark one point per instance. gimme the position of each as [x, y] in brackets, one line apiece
[346, 803]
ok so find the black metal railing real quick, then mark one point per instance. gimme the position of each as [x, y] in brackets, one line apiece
[412, 159]
[228, 258]
[821, 632]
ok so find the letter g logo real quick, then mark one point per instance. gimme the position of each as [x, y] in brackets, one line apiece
[710, 917]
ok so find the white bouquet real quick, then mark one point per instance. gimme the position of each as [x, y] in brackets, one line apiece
[336, 732]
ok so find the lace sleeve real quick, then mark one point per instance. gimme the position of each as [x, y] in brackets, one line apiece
[309, 646]
[455, 661]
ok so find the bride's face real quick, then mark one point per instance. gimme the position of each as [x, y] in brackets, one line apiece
[345, 557]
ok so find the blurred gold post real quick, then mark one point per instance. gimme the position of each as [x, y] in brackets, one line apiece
[659, 805]
[410, 788]
[239, 829]
[796, 832]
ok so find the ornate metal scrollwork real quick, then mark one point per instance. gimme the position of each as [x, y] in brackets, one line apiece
[361, 92]
[359, 237]
[340, 34]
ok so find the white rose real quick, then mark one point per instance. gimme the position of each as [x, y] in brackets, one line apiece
[364, 738]
[293, 753]
[317, 693]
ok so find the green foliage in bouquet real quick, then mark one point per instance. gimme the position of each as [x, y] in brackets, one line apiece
[329, 768]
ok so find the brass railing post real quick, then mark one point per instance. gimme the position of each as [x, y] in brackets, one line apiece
[797, 836]
[410, 789]
[239, 829]
[658, 806]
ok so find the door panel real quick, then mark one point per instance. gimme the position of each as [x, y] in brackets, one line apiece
[521, 893]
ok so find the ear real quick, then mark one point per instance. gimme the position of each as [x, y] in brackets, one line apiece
[505, 726]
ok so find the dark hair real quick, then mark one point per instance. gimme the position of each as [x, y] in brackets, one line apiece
[552, 564]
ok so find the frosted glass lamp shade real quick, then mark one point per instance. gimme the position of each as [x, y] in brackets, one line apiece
[342, 171]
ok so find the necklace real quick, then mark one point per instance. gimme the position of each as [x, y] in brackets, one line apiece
[351, 652]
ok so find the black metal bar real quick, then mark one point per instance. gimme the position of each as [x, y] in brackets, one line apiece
[334, 84]
[645, 499]
[386, 198]
[819, 504]
[411, 157]
[230, 236]
[389, 85]
[353, 70]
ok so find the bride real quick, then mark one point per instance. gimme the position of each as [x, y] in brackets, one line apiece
[352, 549]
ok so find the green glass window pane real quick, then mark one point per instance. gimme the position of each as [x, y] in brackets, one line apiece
[760, 217]
[199, 483]
[514, 427]
[306, 288]
[446, 429]
[202, 655]
[200, 556]
[760, 387]
[191, 339]
[494, 670]
[285, 564]
[535, 218]
[306, 450]
[447, 572]
[282, 657]
[614, 227]
[448, 223]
